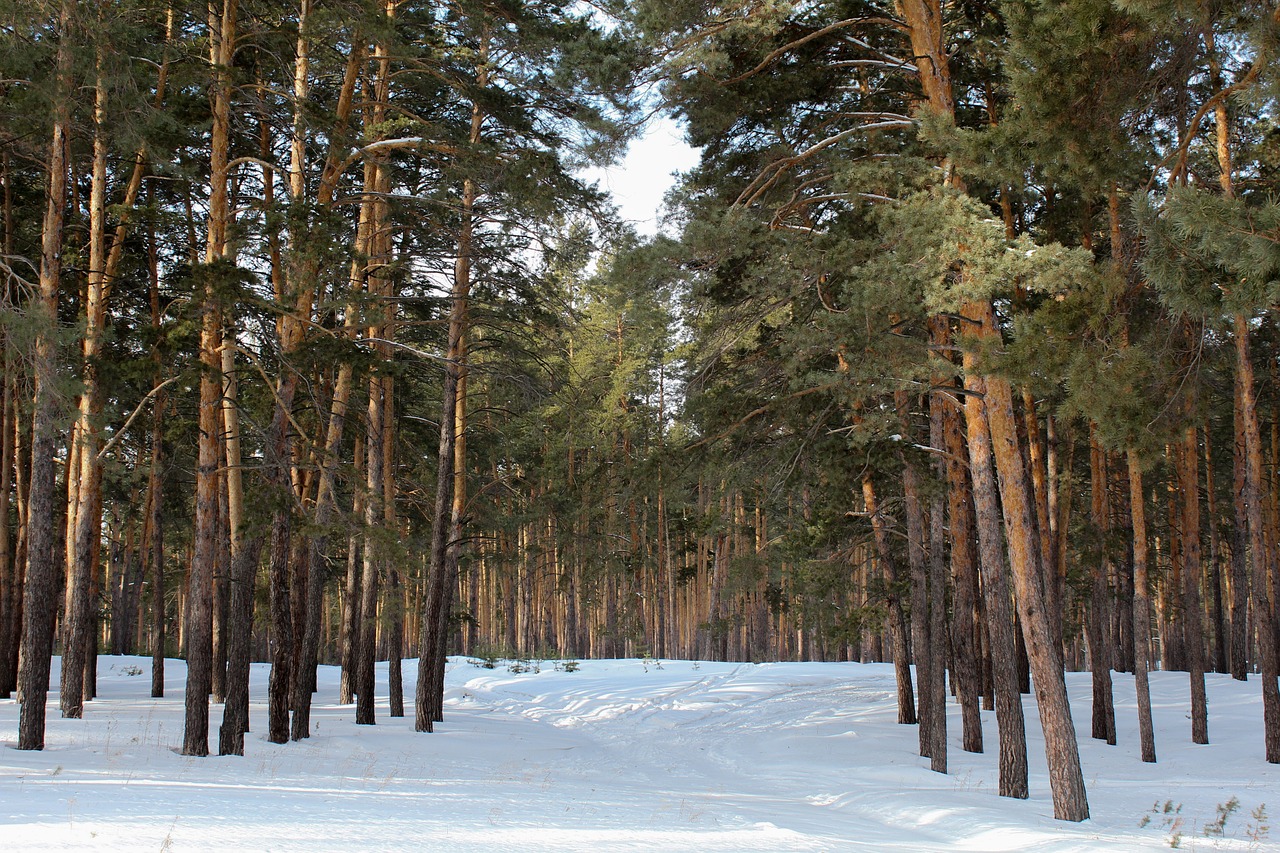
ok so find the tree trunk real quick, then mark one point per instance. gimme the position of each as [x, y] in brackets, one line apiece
[41, 588]
[1065, 776]
[1259, 558]
[10, 574]
[917, 562]
[964, 574]
[1240, 543]
[1215, 562]
[1038, 459]
[395, 596]
[447, 516]
[86, 525]
[1101, 653]
[996, 598]
[153, 533]
[198, 632]
[897, 621]
[937, 685]
[241, 577]
[324, 507]
[366, 652]
[235, 709]
[1188, 475]
[354, 595]
[1141, 608]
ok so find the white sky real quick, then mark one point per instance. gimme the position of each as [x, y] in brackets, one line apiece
[640, 181]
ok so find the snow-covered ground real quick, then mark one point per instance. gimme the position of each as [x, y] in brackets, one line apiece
[622, 755]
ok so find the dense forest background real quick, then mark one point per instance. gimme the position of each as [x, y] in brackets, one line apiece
[962, 351]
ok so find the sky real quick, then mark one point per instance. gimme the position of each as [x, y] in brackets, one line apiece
[640, 181]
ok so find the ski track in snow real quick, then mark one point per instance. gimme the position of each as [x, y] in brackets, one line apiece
[622, 755]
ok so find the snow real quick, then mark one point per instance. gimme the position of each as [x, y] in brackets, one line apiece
[625, 755]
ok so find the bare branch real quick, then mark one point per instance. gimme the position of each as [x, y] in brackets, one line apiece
[816, 34]
[106, 448]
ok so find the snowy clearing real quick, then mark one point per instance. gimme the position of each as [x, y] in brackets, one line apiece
[622, 755]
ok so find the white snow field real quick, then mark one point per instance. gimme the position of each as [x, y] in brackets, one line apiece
[624, 755]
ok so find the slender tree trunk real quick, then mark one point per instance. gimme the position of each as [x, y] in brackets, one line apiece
[395, 597]
[21, 491]
[1259, 556]
[1215, 562]
[448, 514]
[897, 621]
[241, 579]
[1172, 630]
[917, 562]
[1240, 543]
[10, 574]
[1038, 459]
[964, 575]
[198, 632]
[1141, 607]
[9, 571]
[937, 685]
[1188, 474]
[41, 589]
[221, 572]
[1100, 651]
[84, 523]
[235, 709]
[324, 507]
[354, 594]
[368, 633]
[153, 533]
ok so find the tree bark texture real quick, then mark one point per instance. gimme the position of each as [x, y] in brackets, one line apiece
[41, 587]
[996, 598]
[1065, 776]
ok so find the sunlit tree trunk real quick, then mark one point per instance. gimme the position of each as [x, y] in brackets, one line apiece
[996, 598]
[83, 521]
[1065, 776]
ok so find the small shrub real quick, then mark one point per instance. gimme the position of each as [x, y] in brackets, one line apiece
[1217, 827]
[523, 665]
[1170, 820]
[1259, 828]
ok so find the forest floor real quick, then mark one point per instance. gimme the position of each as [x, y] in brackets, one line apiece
[628, 755]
